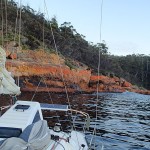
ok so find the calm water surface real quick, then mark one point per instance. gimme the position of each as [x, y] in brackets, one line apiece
[123, 120]
[122, 123]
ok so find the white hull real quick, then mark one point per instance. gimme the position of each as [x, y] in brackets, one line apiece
[76, 142]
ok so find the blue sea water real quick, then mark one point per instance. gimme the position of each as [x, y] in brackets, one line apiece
[122, 122]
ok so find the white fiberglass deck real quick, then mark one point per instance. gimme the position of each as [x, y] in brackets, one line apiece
[20, 119]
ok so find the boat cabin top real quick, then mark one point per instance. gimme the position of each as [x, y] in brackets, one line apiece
[21, 114]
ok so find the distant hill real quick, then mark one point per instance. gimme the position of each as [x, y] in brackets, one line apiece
[36, 30]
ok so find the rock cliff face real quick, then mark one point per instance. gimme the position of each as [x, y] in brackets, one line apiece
[48, 77]
[40, 71]
[46, 72]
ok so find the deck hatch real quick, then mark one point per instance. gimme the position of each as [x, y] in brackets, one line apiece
[22, 107]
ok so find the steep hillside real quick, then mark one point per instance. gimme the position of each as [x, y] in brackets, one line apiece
[71, 45]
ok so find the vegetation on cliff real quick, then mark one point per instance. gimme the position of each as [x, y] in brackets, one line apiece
[71, 44]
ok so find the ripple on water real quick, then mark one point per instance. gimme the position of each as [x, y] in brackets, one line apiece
[123, 120]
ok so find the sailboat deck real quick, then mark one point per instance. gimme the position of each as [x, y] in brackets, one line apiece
[20, 118]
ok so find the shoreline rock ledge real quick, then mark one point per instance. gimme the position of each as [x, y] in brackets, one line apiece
[33, 67]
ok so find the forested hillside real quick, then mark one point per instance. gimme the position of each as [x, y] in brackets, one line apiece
[36, 33]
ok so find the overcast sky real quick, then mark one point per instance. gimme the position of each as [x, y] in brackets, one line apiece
[125, 25]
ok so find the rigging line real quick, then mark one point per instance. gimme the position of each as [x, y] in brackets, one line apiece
[6, 21]
[51, 99]
[60, 68]
[44, 29]
[20, 5]
[58, 58]
[47, 59]
[15, 34]
[42, 78]
[98, 70]
[36, 90]
[16, 22]
[2, 39]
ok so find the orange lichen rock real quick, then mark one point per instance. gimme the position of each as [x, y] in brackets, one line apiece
[34, 66]
[53, 76]
[126, 84]
[12, 56]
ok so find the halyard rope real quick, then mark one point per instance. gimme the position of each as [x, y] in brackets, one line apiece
[98, 70]
[60, 66]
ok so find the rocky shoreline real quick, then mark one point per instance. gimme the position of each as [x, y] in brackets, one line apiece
[38, 71]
